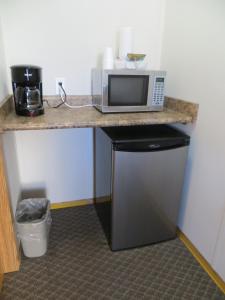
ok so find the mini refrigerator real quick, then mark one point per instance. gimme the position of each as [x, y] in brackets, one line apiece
[138, 180]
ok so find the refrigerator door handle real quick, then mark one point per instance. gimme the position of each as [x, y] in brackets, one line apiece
[148, 146]
[154, 146]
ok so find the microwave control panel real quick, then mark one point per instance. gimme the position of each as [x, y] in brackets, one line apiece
[158, 91]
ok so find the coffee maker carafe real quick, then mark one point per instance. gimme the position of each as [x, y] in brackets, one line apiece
[27, 90]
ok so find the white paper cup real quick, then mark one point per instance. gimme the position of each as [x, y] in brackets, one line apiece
[108, 54]
[107, 63]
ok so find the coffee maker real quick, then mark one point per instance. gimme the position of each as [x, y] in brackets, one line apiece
[27, 90]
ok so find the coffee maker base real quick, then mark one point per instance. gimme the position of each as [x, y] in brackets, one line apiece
[30, 113]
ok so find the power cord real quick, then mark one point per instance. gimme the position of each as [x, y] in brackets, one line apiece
[64, 100]
[53, 106]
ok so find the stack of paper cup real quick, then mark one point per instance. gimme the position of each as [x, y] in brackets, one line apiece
[108, 58]
[126, 42]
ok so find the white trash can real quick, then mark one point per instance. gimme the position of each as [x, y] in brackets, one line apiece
[33, 221]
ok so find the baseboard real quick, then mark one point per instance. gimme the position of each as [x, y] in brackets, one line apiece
[79, 202]
[202, 261]
[1, 281]
[71, 203]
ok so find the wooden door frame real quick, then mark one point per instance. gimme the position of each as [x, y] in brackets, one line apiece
[9, 248]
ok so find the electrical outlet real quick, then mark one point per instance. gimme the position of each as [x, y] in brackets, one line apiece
[57, 88]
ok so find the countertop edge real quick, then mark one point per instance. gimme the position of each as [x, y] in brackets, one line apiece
[186, 112]
[183, 106]
[6, 106]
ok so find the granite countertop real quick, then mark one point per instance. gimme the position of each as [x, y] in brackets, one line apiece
[175, 111]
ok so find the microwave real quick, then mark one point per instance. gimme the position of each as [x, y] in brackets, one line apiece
[127, 90]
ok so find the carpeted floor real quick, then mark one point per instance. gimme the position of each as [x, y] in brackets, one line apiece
[80, 265]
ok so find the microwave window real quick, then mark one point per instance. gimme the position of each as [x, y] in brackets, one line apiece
[128, 90]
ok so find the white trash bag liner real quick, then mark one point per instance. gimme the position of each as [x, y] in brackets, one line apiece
[33, 221]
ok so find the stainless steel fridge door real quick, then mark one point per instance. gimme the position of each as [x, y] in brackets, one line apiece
[146, 191]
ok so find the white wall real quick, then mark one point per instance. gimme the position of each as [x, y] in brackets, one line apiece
[9, 138]
[3, 78]
[67, 38]
[219, 257]
[56, 163]
[193, 54]
[12, 172]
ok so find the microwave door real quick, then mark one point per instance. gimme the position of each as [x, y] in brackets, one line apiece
[128, 90]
